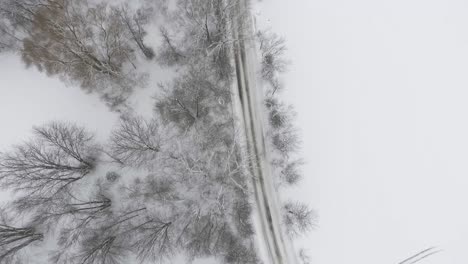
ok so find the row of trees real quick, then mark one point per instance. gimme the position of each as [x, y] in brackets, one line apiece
[298, 218]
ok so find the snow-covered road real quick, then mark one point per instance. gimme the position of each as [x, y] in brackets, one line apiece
[274, 247]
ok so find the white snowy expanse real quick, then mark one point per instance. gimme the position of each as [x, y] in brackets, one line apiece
[29, 97]
[381, 91]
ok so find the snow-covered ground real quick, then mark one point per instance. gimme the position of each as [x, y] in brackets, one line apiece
[380, 91]
[28, 97]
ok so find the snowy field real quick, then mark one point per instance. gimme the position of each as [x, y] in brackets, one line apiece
[380, 88]
[30, 98]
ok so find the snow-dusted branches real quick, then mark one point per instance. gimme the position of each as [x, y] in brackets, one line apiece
[135, 22]
[298, 218]
[16, 21]
[169, 54]
[76, 211]
[136, 141]
[14, 239]
[193, 97]
[283, 132]
[284, 140]
[153, 241]
[272, 48]
[200, 30]
[86, 44]
[60, 155]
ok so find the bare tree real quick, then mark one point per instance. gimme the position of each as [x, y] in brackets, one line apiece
[84, 44]
[284, 139]
[204, 233]
[298, 219]
[135, 23]
[282, 132]
[272, 48]
[290, 172]
[130, 231]
[60, 155]
[97, 239]
[76, 211]
[136, 141]
[103, 250]
[169, 54]
[193, 97]
[279, 114]
[14, 239]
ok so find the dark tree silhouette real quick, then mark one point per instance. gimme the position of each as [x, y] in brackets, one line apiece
[15, 239]
[136, 141]
[279, 115]
[152, 241]
[298, 219]
[272, 49]
[135, 23]
[285, 140]
[76, 211]
[193, 97]
[169, 54]
[60, 155]
[97, 239]
[84, 44]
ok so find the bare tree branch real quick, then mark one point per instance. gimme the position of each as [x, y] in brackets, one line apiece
[136, 141]
[14, 239]
[60, 155]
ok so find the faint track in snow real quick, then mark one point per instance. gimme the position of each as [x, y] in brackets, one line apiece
[249, 95]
